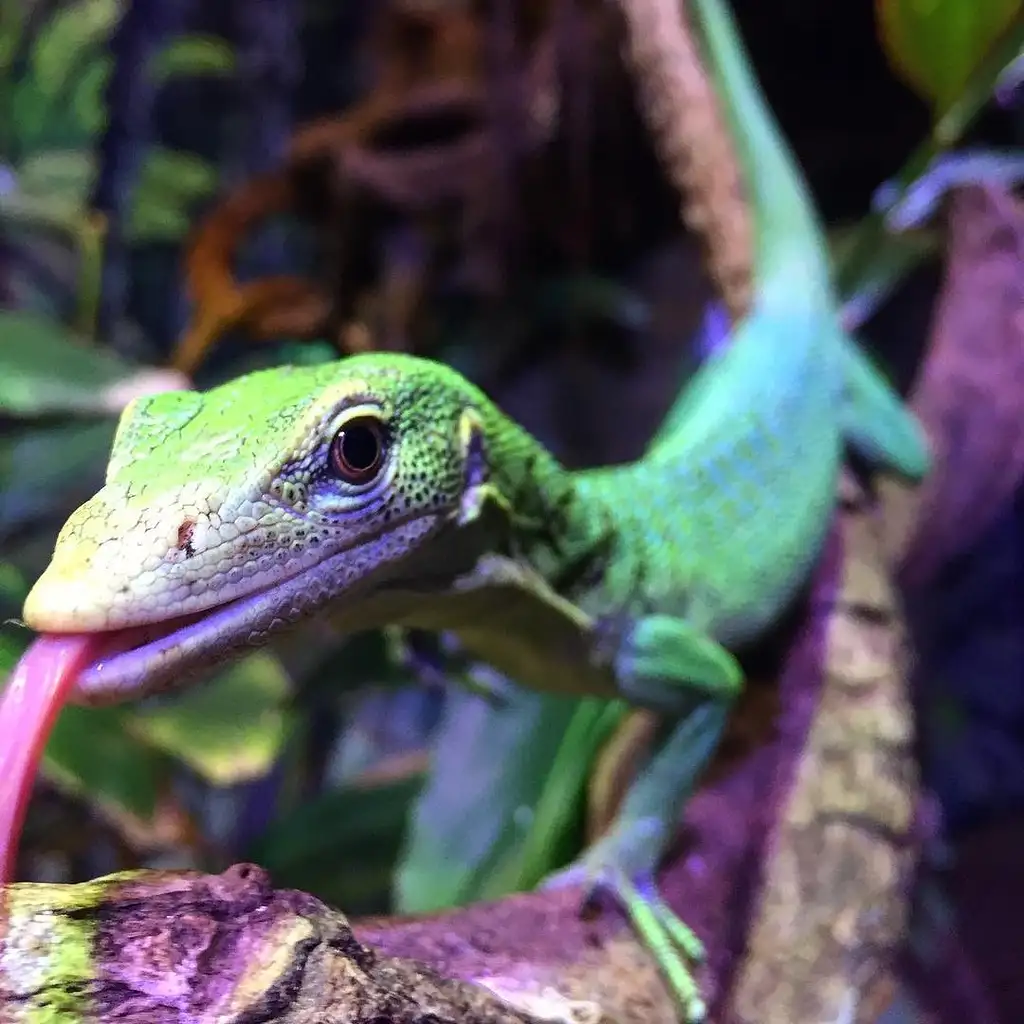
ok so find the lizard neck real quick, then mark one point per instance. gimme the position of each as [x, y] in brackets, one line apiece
[553, 526]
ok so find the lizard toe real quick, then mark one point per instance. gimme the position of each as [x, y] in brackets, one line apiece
[615, 870]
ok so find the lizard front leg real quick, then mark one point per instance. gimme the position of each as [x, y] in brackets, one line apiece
[659, 651]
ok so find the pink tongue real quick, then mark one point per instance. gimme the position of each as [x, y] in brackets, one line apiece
[29, 707]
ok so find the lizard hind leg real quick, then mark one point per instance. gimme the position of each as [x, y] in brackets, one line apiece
[623, 863]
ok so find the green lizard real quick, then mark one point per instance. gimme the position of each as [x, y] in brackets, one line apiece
[388, 490]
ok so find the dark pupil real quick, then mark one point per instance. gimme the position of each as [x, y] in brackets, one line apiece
[360, 448]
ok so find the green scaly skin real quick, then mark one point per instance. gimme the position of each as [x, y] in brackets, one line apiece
[630, 583]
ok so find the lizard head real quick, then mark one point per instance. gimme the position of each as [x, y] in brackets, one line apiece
[230, 514]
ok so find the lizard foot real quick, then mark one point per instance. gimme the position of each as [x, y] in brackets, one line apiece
[622, 865]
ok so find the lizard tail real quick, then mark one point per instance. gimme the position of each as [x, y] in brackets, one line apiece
[875, 422]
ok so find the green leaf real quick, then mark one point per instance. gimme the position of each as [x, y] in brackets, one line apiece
[41, 121]
[150, 222]
[93, 755]
[62, 214]
[555, 837]
[13, 15]
[69, 38]
[46, 471]
[12, 647]
[173, 174]
[464, 840]
[44, 370]
[170, 182]
[229, 730]
[343, 845]
[194, 55]
[13, 591]
[935, 45]
[51, 192]
[88, 105]
[28, 112]
[65, 173]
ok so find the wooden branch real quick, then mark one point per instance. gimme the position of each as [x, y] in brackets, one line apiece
[428, 69]
[693, 141]
[833, 910]
[161, 947]
[968, 394]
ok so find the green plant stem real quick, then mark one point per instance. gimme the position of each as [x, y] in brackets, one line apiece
[945, 133]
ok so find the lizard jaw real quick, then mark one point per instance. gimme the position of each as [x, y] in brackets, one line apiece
[141, 660]
[132, 662]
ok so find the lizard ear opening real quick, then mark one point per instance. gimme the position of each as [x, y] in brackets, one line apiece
[477, 489]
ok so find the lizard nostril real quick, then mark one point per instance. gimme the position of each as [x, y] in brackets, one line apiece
[185, 532]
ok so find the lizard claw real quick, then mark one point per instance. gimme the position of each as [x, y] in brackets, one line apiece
[614, 868]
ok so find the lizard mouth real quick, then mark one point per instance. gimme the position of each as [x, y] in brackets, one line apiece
[141, 660]
[365, 584]
[137, 660]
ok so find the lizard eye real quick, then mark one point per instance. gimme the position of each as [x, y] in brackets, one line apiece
[357, 451]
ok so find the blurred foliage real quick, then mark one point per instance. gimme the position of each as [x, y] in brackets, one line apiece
[937, 45]
[53, 75]
[310, 756]
[47, 372]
